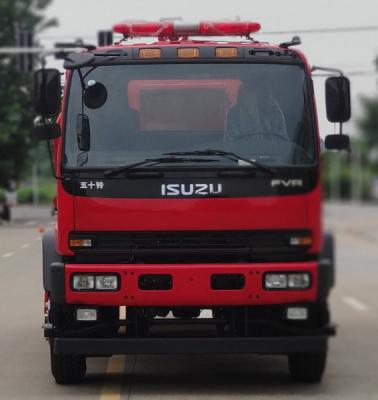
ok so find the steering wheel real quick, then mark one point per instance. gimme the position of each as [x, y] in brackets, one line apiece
[297, 147]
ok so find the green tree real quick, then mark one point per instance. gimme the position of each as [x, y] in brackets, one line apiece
[369, 121]
[16, 114]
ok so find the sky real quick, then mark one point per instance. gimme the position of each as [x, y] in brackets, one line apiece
[351, 51]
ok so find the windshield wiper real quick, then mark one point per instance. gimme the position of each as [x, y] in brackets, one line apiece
[226, 154]
[155, 161]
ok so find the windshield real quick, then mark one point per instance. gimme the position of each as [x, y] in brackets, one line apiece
[258, 111]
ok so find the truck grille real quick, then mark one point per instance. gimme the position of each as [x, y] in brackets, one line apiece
[198, 246]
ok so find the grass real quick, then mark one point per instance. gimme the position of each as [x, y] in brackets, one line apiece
[46, 192]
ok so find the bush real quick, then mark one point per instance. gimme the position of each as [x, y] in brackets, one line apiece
[346, 177]
[46, 193]
[25, 195]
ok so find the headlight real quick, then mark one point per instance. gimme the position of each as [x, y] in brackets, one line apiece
[288, 280]
[95, 282]
[106, 282]
[275, 281]
[299, 281]
[83, 282]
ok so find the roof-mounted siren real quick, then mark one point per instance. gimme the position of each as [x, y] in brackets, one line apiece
[177, 30]
[104, 38]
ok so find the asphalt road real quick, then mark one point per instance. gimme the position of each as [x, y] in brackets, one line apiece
[353, 362]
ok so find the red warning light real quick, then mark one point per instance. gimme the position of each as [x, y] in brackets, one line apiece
[228, 28]
[144, 29]
[172, 30]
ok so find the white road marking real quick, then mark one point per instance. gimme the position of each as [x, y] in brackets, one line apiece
[356, 304]
[7, 255]
[25, 246]
[31, 223]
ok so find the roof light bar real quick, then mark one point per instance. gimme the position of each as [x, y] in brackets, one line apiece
[174, 30]
[229, 28]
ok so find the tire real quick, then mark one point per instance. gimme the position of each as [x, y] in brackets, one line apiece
[67, 368]
[307, 367]
[49, 256]
[328, 253]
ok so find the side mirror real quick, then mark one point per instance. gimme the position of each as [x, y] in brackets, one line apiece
[337, 142]
[47, 92]
[46, 132]
[338, 99]
[83, 132]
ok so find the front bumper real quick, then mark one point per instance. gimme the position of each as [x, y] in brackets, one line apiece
[191, 285]
[265, 345]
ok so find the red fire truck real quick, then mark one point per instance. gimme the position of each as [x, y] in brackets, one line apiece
[189, 195]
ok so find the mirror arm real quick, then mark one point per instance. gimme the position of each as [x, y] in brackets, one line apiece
[81, 79]
[349, 149]
[43, 63]
[52, 161]
[327, 69]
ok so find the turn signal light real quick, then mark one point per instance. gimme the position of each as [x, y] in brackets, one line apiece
[80, 242]
[226, 52]
[301, 241]
[188, 53]
[149, 53]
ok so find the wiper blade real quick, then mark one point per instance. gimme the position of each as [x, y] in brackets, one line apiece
[226, 154]
[155, 161]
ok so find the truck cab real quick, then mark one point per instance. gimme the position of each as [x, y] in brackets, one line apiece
[188, 199]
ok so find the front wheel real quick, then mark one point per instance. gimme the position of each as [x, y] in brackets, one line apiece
[67, 368]
[307, 367]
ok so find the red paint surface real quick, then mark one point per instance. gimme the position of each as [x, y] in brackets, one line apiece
[284, 212]
[191, 285]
